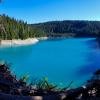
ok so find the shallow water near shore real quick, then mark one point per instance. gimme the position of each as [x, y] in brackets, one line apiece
[61, 60]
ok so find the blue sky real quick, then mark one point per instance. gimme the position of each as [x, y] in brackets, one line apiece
[35, 11]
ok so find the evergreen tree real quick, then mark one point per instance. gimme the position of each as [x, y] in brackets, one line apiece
[11, 28]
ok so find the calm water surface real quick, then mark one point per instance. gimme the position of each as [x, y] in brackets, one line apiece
[62, 61]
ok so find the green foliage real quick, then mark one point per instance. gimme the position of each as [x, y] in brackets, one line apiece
[71, 28]
[25, 78]
[43, 84]
[11, 28]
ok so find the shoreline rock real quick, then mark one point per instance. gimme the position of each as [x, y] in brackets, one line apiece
[43, 38]
[18, 42]
[13, 89]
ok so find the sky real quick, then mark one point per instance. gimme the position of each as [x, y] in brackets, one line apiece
[37, 11]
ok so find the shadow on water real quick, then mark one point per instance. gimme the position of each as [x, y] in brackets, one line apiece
[93, 59]
[96, 43]
[87, 70]
[93, 64]
[93, 43]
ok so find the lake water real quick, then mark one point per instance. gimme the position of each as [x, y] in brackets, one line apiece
[62, 60]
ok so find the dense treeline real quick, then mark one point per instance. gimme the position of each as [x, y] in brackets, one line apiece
[11, 28]
[73, 28]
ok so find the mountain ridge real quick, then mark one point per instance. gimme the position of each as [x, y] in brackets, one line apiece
[79, 28]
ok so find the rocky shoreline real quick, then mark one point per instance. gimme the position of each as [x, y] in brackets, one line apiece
[19, 42]
[16, 42]
[13, 89]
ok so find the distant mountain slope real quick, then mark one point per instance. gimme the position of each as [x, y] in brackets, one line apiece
[74, 28]
[11, 28]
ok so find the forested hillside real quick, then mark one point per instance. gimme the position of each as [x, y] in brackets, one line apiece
[71, 28]
[11, 28]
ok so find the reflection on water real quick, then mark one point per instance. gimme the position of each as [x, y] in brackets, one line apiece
[62, 61]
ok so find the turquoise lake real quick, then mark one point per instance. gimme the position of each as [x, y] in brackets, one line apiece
[61, 60]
